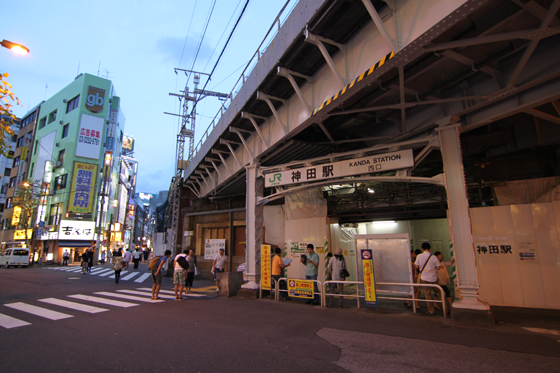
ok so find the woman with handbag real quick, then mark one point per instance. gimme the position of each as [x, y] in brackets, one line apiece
[338, 272]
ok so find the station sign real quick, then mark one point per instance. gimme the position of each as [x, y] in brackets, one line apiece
[350, 167]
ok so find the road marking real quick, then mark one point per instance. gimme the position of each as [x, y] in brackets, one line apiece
[97, 269]
[109, 302]
[172, 292]
[38, 311]
[65, 269]
[73, 306]
[124, 296]
[143, 277]
[122, 273]
[129, 276]
[146, 294]
[105, 273]
[9, 322]
[543, 331]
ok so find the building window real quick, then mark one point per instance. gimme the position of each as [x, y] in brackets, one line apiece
[31, 169]
[28, 119]
[20, 142]
[42, 122]
[54, 215]
[52, 117]
[7, 171]
[9, 203]
[60, 182]
[61, 155]
[16, 162]
[4, 189]
[73, 103]
[65, 131]
[12, 182]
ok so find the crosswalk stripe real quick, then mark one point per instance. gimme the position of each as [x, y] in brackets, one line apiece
[542, 331]
[105, 273]
[9, 322]
[143, 277]
[73, 305]
[97, 269]
[146, 294]
[74, 270]
[38, 311]
[109, 302]
[129, 276]
[124, 296]
[172, 292]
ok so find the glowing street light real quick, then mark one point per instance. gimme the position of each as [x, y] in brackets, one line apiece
[15, 47]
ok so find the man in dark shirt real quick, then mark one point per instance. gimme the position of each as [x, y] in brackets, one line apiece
[85, 260]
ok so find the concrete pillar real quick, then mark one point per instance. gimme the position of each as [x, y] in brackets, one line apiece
[255, 232]
[470, 307]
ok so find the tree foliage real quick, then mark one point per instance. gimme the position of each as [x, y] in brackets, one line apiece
[7, 98]
[27, 196]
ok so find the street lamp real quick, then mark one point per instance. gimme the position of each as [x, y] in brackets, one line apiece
[15, 47]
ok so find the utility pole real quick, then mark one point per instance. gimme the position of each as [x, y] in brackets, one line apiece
[187, 120]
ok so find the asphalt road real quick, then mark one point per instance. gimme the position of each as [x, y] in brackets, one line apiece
[212, 334]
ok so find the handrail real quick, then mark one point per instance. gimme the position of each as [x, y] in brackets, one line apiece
[246, 72]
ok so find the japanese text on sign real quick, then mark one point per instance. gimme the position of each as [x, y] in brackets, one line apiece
[371, 164]
[369, 278]
[76, 230]
[265, 267]
[212, 247]
[83, 186]
[300, 288]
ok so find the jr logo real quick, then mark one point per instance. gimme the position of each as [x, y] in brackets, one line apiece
[275, 176]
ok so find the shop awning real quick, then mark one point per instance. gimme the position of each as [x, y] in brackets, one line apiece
[74, 243]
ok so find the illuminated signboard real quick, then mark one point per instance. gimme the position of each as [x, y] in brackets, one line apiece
[83, 188]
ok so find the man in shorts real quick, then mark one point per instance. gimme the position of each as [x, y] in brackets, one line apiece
[179, 274]
[156, 275]
[219, 266]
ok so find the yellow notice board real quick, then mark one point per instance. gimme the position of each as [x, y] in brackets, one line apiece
[20, 234]
[369, 278]
[301, 288]
[16, 215]
[265, 267]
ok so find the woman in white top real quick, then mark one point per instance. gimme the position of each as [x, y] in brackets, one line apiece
[335, 266]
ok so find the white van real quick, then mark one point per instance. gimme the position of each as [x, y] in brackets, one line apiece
[15, 256]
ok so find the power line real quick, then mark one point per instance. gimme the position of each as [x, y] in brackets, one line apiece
[202, 36]
[188, 32]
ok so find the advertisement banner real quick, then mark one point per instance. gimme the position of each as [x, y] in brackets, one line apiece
[369, 278]
[212, 248]
[89, 137]
[82, 193]
[76, 230]
[300, 288]
[266, 280]
[16, 215]
[371, 164]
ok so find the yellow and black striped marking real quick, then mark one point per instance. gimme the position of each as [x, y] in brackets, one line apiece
[358, 79]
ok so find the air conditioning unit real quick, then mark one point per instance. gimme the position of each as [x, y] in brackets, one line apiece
[58, 164]
[65, 100]
[57, 144]
[61, 122]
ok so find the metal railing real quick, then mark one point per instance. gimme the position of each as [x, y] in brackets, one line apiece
[272, 31]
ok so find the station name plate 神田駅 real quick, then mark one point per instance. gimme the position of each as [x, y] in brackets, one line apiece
[350, 167]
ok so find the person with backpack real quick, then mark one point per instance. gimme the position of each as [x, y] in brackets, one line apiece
[179, 273]
[338, 272]
[117, 265]
[155, 267]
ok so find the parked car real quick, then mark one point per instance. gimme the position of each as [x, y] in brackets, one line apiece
[15, 256]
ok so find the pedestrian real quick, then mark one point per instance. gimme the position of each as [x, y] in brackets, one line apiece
[156, 275]
[428, 265]
[193, 271]
[126, 258]
[218, 266]
[91, 253]
[277, 272]
[443, 278]
[85, 260]
[65, 257]
[146, 254]
[311, 262]
[335, 268]
[103, 256]
[136, 257]
[180, 267]
[117, 265]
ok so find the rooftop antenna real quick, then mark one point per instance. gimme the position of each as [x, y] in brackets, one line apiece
[46, 86]
[78, 73]
[98, 67]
